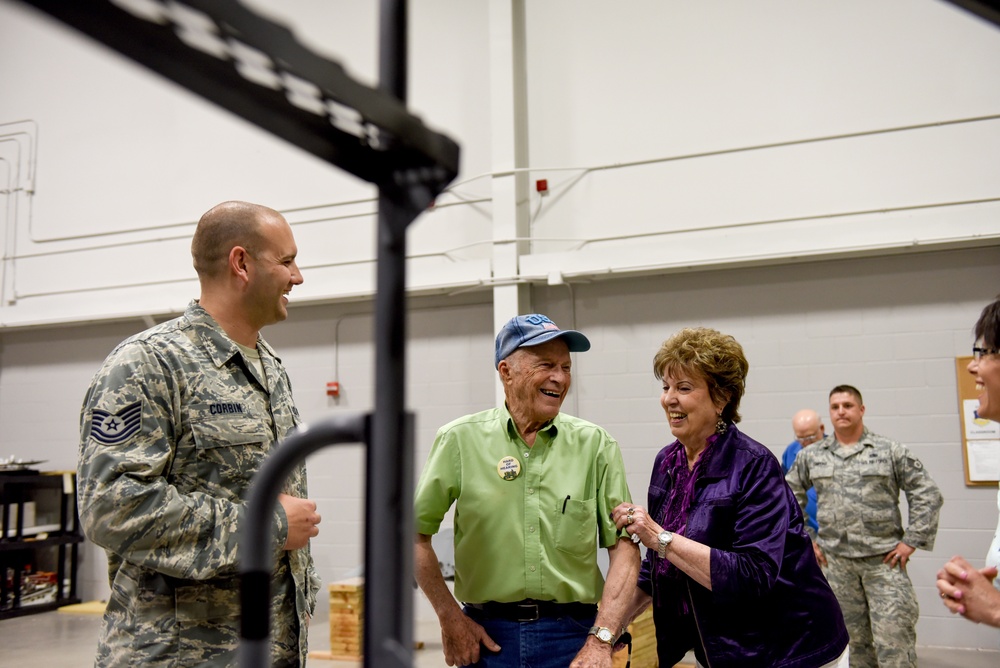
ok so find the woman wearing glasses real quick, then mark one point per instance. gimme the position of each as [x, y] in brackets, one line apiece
[964, 589]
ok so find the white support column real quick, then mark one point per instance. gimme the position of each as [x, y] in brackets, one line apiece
[509, 110]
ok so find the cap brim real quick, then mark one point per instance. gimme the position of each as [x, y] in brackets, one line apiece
[575, 341]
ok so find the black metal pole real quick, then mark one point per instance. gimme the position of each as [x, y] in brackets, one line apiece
[256, 553]
[388, 628]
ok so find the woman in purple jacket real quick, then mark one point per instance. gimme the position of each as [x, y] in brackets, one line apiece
[729, 569]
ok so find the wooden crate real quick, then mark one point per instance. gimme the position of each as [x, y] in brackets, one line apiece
[347, 614]
[643, 643]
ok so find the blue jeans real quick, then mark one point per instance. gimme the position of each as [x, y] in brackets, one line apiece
[549, 642]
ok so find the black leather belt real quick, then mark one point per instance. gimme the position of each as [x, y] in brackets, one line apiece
[529, 610]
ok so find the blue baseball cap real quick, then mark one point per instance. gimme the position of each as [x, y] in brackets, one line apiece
[532, 330]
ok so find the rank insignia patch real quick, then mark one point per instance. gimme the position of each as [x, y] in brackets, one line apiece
[115, 428]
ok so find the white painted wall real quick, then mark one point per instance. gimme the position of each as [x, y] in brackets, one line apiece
[672, 135]
[735, 139]
[892, 326]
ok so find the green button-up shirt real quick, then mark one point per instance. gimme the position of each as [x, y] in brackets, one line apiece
[533, 535]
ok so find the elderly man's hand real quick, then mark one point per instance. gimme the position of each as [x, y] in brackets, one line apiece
[461, 638]
[593, 654]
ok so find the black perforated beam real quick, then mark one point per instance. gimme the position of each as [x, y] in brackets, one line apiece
[987, 9]
[258, 70]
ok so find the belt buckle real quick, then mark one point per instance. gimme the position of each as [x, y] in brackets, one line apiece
[528, 609]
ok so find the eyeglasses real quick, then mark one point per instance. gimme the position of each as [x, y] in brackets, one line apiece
[810, 438]
[978, 353]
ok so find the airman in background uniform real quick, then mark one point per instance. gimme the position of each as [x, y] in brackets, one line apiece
[173, 428]
[862, 545]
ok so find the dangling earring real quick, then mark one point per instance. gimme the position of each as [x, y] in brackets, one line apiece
[721, 426]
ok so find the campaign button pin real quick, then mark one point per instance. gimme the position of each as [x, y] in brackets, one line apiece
[508, 468]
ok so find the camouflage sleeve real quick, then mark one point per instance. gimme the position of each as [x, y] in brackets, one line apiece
[799, 481]
[313, 582]
[126, 503]
[922, 496]
[312, 590]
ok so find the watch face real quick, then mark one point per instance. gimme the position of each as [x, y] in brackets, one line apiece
[605, 635]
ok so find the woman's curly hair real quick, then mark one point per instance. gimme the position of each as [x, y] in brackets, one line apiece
[715, 356]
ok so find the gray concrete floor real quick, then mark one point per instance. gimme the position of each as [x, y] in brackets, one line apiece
[65, 640]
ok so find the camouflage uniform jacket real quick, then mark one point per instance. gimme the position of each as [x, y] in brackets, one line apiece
[858, 489]
[173, 428]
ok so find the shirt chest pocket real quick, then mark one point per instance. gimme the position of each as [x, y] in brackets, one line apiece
[878, 468]
[821, 471]
[822, 476]
[712, 522]
[576, 528]
[229, 450]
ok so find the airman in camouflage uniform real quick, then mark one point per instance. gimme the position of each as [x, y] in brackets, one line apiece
[174, 427]
[862, 545]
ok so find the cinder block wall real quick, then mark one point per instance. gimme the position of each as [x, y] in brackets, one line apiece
[890, 325]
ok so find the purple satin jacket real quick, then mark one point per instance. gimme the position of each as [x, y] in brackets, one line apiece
[770, 605]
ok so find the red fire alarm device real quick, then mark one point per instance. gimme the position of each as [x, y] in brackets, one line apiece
[333, 389]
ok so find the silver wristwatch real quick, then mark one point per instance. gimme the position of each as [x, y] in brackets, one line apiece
[662, 540]
[602, 633]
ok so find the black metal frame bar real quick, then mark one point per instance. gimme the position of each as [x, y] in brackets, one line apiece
[985, 9]
[256, 554]
[258, 70]
[389, 525]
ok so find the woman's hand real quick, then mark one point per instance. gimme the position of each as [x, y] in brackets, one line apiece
[969, 592]
[637, 522]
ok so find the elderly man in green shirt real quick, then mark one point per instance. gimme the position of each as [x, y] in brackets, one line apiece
[534, 490]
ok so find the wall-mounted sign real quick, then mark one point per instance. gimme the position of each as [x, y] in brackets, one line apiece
[980, 437]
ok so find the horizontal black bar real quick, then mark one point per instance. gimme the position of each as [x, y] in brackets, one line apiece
[360, 129]
[987, 9]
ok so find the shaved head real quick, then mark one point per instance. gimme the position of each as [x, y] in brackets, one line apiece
[807, 426]
[221, 228]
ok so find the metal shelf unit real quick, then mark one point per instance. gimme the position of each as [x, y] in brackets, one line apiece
[22, 550]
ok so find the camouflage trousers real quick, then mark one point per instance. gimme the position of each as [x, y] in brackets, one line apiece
[880, 610]
[152, 621]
